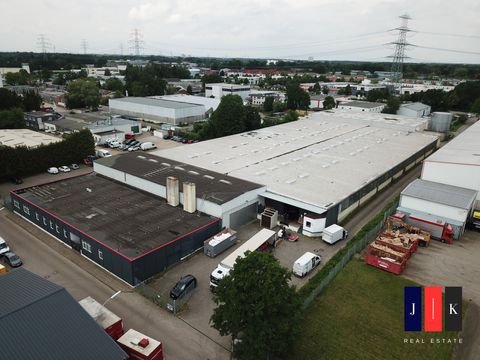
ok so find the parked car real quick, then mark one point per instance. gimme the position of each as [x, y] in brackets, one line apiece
[74, 167]
[64, 169]
[129, 141]
[16, 180]
[12, 259]
[306, 263]
[134, 148]
[52, 170]
[180, 288]
[147, 146]
[114, 144]
[3, 246]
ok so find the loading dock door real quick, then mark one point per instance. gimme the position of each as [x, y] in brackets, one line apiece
[243, 216]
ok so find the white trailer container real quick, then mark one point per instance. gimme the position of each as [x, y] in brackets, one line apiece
[334, 233]
[306, 263]
[252, 244]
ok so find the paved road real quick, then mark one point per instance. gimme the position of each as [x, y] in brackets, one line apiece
[53, 261]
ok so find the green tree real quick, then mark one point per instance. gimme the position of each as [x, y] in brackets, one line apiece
[316, 88]
[9, 99]
[464, 95]
[19, 78]
[291, 115]
[476, 107]
[268, 104]
[329, 103]
[114, 84]
[12, 119]
[189, 90]
[325, 90]
[256, 304]
[393, 103]
[31, 100]
[229, 117]
[279, 106]
[82, 93]
[377, 95]
[297, 98]
[348, 90]
[107, 72]
[252, 119]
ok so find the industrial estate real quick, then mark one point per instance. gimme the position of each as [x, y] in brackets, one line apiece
[205, 208]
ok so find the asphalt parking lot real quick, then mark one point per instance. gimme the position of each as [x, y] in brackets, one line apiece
[454, 265]
[200, 306]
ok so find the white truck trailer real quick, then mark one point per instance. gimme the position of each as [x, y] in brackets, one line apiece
[334, 233]
[252, 244]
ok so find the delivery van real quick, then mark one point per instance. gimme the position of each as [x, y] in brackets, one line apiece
[3, 246]
[147, 146]
[306, 263]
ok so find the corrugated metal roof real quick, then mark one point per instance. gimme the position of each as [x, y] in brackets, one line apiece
[41, 320]
[153, 102]
[441, 193]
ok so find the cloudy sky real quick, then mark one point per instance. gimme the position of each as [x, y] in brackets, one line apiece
[290, 29]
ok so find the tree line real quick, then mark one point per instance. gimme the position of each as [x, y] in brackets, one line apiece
[12, 107]
[24, 161]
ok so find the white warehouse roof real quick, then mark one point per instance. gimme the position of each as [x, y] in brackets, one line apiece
[463, 149]
[25, 137]
[315, 162]
[191, 99]
[156, 102]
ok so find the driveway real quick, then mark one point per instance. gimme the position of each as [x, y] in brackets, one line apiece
[454, 265]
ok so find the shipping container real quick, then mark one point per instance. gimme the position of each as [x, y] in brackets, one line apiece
[220, 242]
[111, 323]
[140, 347]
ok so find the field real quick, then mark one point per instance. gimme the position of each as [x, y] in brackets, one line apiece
[360, 316]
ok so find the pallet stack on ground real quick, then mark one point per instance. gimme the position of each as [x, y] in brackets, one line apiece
[391, 249]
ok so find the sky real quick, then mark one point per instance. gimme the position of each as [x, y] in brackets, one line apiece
[359, 30]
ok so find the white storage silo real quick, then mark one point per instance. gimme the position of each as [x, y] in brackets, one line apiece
[189, 197]
[441, 121]
[173, 191]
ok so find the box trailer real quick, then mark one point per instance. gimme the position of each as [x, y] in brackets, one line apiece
[306, 263]
[111, 323]
[258, 241]
[334, 233]
[140, 347]
[438, 229]
[220, 242]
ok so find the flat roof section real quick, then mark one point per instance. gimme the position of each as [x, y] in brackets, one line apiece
[154, 102]
[441, 193]
[216, 187]
[362, 104]
[318, 161]
[127, 220]
[463, 149]
[25, 137]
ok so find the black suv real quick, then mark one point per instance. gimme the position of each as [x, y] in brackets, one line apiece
[180, 288]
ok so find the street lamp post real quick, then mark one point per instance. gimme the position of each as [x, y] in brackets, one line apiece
[112, 297]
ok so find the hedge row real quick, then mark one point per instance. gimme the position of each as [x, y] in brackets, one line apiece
[23, 161]
[315, 281]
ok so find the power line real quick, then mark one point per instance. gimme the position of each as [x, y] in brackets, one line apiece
[448, 50]
[137, 42]
[448, 34]
[83, 44]
[399, 55]
[43, 43]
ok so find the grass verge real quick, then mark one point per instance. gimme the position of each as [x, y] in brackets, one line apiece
[359, 315]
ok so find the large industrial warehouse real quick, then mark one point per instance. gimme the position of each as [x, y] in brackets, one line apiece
[458, 162]
[323, 166]
[231, 199]
[158, 110]
[130, 233]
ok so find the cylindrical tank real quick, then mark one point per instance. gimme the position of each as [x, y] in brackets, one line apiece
[441, 121]
[189, 197]
[173, 191]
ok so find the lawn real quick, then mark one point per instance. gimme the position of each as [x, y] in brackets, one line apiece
[359, 315]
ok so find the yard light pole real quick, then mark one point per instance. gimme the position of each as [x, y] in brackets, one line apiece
[112, 297]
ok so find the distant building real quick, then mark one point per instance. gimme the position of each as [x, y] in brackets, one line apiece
[219, 90]
[36, 119]
[414, 110]
[25, 137]
[209, 104]
[158, 110]
[362, 106]
[257, 97]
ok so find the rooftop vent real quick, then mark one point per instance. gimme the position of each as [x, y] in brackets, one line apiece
[258, 173]
[304, 175]
[291, 181]
[225, 181]
[209, 177]
[165, 164]
[193, 172]
[153, 160]
[179, 168]
[325, 166]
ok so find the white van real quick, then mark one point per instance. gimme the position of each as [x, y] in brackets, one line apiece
[306, 263]
[3, 246]
[147, 146]
[103, 153]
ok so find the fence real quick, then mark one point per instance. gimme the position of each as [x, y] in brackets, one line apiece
[354, 246]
